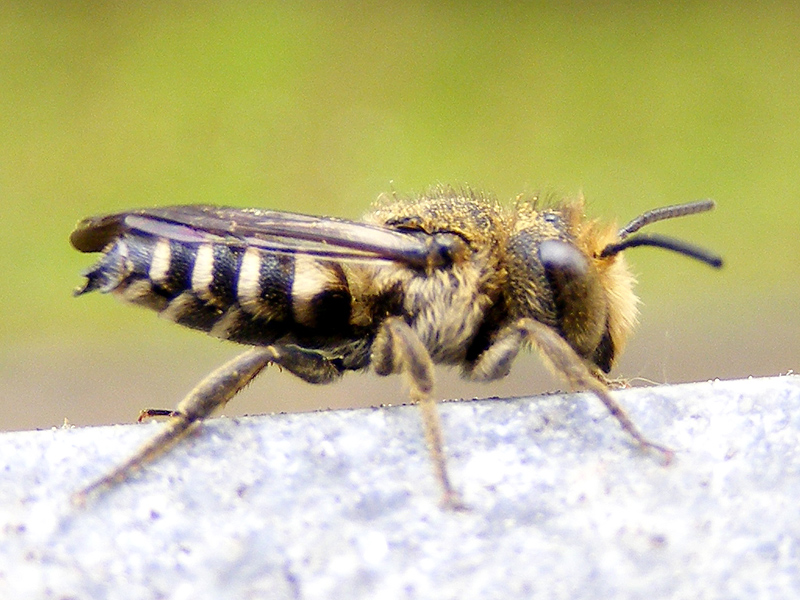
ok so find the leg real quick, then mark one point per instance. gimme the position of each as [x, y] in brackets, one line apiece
[397, 349]
[308, 365]
[566, 362]
[211, 393]
[495, 361]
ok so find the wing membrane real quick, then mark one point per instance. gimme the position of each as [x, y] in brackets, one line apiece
[269, 230]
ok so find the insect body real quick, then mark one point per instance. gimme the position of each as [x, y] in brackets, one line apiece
[448, 277]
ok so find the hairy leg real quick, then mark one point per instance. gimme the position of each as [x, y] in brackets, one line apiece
[211, 393]
[496, 360]
[397, 349]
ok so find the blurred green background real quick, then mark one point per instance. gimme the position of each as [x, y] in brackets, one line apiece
[319, 107]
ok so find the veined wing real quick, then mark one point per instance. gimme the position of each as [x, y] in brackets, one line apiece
[269, 230]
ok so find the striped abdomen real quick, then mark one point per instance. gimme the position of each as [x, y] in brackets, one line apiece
[233, 292]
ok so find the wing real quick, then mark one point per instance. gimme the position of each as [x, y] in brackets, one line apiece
[273, 231]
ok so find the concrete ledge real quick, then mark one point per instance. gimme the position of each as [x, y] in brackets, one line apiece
[343, 504]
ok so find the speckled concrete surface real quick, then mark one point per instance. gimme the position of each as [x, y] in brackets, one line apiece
[343, 504]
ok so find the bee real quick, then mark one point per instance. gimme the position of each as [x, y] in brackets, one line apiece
[447, 277]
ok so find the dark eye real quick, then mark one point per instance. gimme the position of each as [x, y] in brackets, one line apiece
[578, 300]
[564, 265]
[550, 217]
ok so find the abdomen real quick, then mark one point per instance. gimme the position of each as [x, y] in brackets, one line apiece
[232, 292]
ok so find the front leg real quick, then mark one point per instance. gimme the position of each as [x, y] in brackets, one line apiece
[398, 349]
[496, 360]
[210, 394]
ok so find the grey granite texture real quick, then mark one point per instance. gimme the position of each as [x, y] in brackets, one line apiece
[343, 504]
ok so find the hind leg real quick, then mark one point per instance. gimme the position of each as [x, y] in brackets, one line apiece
[211, 393]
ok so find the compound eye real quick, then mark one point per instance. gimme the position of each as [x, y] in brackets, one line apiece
[578, 300]
[562, 261]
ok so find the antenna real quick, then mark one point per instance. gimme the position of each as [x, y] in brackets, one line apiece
[662, 241]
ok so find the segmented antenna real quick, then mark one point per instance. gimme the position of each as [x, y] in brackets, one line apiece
[662, 241]
[666, 212]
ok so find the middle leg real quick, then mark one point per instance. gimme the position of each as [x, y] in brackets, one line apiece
[398, 349]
